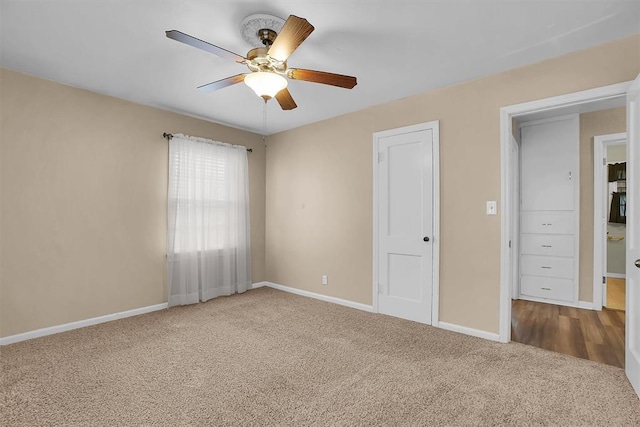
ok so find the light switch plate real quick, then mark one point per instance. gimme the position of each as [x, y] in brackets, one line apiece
[492, 207]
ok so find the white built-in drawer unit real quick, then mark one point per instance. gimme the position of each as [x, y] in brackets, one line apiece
[548, 223]
[547, 244]
[549, 209]
[548, 266]
[547, 287]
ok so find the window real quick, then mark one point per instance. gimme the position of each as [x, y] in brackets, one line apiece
[208, 243]
[205, 192]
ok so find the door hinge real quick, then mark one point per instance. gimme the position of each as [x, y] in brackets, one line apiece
[604, 280]
[604, 162]
[380, 157]
[509, 244]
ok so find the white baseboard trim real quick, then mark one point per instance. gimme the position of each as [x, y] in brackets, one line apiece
[586, 305]
[258, 285]
[469, 331]
[443, 325]
[321, 297]
[617, 275]
[11, 339]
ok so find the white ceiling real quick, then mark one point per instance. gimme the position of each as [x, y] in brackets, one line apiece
[394, 48]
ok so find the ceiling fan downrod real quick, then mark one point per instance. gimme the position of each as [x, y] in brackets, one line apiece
[267, 36]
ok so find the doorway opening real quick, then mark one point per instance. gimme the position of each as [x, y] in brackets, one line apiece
[610, 157]
[551, 295]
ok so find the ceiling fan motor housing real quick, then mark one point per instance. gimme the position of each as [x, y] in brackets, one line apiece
[259, 60]
[262, 30]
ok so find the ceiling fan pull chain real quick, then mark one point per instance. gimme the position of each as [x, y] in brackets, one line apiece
[264, 121]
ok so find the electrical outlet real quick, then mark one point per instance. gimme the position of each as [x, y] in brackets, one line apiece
[492, 207]
[325, 280]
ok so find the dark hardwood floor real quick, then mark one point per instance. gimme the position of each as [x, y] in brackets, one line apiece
[588, 334]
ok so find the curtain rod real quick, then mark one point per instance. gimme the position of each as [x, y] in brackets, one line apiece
[169, 136]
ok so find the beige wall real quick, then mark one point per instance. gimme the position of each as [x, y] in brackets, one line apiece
[319, 183]
[602, 122]
[84, 184]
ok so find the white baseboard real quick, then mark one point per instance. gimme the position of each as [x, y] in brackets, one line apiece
[258, 285]
[617, 275]
[321, 297]
[443, 325]
[469, 331]
[586, 305]
[121, 315]
[79, 324]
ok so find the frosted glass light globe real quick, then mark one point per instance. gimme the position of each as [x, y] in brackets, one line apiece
[265, 84]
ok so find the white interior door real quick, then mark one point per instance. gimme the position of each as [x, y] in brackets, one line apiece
[405, 225]
[632, 341]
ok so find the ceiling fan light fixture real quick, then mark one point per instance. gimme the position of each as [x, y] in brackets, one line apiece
[265, 84]
[276, 40]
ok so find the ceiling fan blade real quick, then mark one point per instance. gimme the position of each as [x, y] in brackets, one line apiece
[210, 87]
[293, 33]
[323, 77]
[285, 100]
[200, 44]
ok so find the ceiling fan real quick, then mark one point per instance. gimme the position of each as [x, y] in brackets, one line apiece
[268, 64]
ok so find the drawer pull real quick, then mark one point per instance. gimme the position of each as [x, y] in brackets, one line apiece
[546, 289]
[547, 223]
[546, 246]
[544, 266]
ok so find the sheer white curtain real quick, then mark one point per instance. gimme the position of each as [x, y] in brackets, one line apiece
[208, 242]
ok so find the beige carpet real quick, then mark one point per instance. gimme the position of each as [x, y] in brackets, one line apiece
[271, 358]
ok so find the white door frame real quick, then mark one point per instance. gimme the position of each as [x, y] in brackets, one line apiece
[435, 128]
[506, 115]
[513, 194]
[600, 193]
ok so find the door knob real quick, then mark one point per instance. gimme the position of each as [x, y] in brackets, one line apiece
[637, 263]
[426, 239]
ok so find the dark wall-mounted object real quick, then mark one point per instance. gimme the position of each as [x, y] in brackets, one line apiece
[618, 172]
[618, 212]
